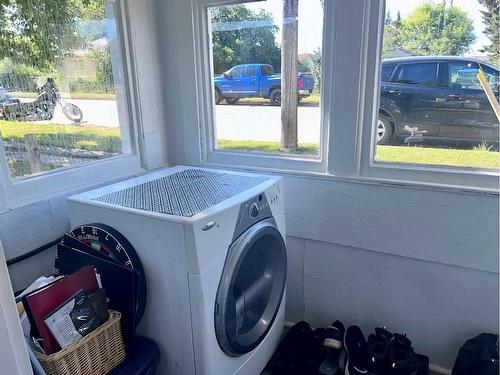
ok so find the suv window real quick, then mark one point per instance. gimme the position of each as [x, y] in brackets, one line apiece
[250, 71]
[424, 74]
[493, 77]
[386, 72]
[236, 72]
[463, 75]
[267, 70]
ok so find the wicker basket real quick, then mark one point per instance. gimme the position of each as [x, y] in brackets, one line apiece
[95, 354]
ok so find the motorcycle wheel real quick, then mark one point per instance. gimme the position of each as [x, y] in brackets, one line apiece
[72, 112]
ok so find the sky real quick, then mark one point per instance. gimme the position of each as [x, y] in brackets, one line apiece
[311, 16]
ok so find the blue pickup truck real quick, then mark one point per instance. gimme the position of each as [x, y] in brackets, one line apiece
[256, 81]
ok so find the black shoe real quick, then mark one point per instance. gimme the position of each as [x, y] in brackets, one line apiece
[402, 358]
[378, 350]
[334, 335]
[357, 352]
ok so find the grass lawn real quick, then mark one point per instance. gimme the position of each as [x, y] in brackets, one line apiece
[313, 99]
[73, 95]
[480, 158]
[305, 149]
[85, 137]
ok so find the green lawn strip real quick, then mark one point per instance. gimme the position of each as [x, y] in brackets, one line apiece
[307, 149]
[393, 154]
[84, 137]
[73, 95]
[313, 99]
[439, 156]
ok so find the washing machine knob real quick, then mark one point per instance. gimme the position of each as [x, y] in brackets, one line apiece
[253, 211]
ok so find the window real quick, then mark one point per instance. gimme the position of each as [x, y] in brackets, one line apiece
[250, 71]
[236, 72]
[246, 42]
[432, 109]
[416, 74]
[267, 70]
[62, 99]
[386, 72]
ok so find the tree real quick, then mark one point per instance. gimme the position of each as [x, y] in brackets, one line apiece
[41, 32]
[242, 36]
[437, 30]
[289, 93]
[491, 20]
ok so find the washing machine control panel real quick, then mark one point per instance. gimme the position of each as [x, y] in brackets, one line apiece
[252, 211]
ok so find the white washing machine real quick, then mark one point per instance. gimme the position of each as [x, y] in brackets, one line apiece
[212, 244]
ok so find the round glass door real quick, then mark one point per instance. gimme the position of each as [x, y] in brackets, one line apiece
[251, 288]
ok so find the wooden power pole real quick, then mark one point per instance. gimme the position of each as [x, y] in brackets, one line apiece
[289, 58]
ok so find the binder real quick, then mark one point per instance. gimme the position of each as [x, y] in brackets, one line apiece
[41, 302]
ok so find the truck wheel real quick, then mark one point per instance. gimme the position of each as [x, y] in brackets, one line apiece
[384, 131]
[275, 97]
[232, 100]
[218, 96]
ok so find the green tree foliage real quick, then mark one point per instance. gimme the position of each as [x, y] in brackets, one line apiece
[242, 36]
[41, 32]
[437, 30]
[491, 20]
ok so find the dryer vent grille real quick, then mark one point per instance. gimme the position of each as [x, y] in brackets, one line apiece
[184, 193]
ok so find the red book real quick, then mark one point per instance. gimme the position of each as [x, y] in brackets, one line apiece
[42, 302]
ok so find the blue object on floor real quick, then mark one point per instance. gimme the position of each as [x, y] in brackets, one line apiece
[142, 359]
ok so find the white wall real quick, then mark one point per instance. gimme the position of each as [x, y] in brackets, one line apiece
[415, 259]
[436, 250]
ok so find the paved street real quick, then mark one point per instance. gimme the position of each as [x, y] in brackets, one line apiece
[95, 112]
[263, 122]
[260, 122]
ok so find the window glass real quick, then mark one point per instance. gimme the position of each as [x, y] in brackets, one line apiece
[267, 70]
[261, 114]
[416, 74]
[433, 110]
[236, 72]
[492, 76]
[464, 75]
[250, 71]
[386, 72]
[61, 101]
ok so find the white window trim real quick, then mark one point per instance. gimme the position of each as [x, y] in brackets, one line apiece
[211, 156]
[471, 178]
[352, 44]
[15, 193]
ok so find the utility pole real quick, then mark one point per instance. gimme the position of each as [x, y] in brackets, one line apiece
[289, 71]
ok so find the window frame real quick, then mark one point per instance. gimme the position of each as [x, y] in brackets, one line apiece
[351, 52]
[16, 193]
[209, 155]
[442, 176]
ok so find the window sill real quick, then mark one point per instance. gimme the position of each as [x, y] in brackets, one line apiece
[30, 190]
[404, 179]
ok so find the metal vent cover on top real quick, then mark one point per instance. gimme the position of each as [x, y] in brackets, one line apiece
[184, 193]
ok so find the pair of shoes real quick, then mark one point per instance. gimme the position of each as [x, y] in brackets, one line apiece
[333, 341]
[300, 352]
[383, 354]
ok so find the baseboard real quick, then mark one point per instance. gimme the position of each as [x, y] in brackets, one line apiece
[434, 369]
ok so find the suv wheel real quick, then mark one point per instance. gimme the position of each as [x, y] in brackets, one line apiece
[384, 131]
[275, 97]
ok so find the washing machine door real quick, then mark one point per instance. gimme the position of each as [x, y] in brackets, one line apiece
[251, 288]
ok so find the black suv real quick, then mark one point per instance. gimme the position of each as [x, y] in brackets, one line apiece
[436, 99]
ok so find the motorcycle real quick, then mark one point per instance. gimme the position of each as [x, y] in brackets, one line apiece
[42, 108]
